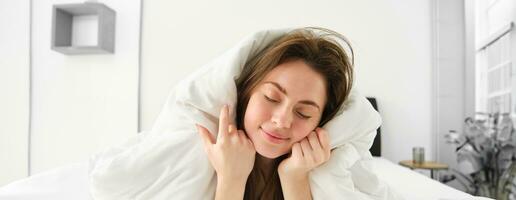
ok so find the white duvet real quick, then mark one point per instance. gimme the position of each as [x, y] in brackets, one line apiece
[169, 162]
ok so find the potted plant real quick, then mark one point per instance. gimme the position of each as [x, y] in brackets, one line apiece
[486, 155]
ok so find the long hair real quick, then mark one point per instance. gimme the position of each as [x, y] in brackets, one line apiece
[318, 48]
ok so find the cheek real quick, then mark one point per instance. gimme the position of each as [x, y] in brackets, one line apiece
[300, 130]
[256, 113]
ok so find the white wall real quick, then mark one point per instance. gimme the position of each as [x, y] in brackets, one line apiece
[14, 88]
[449, 75]
[82, 103]
[392, 40]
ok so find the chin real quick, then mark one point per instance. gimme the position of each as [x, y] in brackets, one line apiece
[265, 149]
[269, 154]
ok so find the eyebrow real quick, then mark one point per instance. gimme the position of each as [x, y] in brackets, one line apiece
[307, 102]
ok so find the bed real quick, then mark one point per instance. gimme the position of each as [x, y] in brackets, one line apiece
[71, 182]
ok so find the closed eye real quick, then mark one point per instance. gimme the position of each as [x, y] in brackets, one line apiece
[276, 101]
[270, 99]
[303, 116]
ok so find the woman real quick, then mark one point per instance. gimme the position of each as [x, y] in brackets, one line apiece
[285, 94]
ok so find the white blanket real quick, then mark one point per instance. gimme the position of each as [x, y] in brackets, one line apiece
[169, 162]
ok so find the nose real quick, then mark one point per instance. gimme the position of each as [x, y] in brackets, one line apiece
[282, 117]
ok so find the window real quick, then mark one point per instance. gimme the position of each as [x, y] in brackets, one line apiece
[494, 28]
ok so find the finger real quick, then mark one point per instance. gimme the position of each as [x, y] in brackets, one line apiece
[234, 135]
[296, 150]
[305, 145]
[307, 149]
[231, 129]
[324, 138]
[206, 136]
[315, 143]
[244, 139]
[223, 122]
[243, 133]
[247, 138]
[238, 134]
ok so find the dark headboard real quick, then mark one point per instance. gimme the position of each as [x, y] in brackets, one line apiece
[376, 149]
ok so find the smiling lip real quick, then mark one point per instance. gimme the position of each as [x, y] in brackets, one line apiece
[273, 137]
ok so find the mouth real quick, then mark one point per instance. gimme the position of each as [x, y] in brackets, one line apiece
[272, 137]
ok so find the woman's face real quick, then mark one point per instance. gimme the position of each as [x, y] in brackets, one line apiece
[284, 108]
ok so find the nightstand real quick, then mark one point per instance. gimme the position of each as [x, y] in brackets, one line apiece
[430, 165]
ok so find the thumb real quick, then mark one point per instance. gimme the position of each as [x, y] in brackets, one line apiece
[206, 136]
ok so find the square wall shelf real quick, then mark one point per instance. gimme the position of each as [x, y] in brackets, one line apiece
[64, 28]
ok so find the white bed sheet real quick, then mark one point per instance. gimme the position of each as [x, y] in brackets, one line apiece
[64, 183]
[71, 182]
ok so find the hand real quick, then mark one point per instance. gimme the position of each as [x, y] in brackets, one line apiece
[232, 153]
[307, 154]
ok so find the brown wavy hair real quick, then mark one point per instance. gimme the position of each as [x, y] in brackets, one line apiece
[318, 48]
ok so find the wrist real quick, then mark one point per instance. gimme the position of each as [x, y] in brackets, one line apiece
[293, 176]
[229, 188]
[296, 186]
[228, 181]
